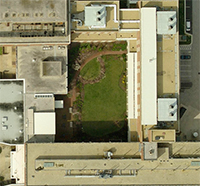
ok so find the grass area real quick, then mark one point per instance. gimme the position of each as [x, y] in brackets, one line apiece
[1, 50]
[104, 106]
[91, 70]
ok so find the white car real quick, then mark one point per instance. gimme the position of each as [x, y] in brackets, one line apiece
[188, 26]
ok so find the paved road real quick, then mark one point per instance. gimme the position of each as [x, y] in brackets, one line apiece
[190, 122]
[189, 13]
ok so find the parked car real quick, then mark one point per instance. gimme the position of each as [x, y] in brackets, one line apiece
[185, 56]
[188, 26]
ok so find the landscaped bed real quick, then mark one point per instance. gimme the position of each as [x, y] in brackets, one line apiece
[104, 103]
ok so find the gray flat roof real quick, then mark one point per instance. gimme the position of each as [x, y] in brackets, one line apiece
[33, 10]
[30, 59]
[11, 111]
[34, 21]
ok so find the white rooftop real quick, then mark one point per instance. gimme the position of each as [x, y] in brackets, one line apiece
[167, 109]
[95, 16]
[44, 123]
[17, 164]
[148, 67]
[166, 22]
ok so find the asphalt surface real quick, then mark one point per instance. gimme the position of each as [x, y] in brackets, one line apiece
[189, 14]
[189, 72]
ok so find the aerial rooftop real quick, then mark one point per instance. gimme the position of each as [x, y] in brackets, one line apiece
[34, 21]
[21, 11]
[49, 100]
[43, 68]
[106, 163]
[11, 111]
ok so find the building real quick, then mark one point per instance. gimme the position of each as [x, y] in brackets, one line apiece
[34, 22]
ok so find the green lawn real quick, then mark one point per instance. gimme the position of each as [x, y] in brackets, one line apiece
[105, 102]
[91, 70]
[1, 50]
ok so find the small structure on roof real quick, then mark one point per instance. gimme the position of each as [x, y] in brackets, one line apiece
[95, 16]
[167, 109]
[166, 22]
[150, 151]
[44, 123]
[59, 104]
[162, 135]
[51, 68]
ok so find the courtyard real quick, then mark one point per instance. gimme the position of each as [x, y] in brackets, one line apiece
[104, 102]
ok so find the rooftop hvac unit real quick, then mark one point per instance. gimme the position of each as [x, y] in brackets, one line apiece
[43, 95]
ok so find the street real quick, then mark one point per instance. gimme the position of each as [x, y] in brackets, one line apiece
[189, 72]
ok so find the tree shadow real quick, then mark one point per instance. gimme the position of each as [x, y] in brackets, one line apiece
[102, 131]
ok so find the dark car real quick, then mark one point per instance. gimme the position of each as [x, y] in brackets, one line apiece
[185, 57]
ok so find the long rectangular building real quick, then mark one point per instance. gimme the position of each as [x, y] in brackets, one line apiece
[106, 164]
[148, 66]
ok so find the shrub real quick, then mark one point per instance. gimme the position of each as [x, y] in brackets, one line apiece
[100, 49]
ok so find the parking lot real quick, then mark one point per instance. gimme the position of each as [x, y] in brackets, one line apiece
[185, 64]
[190, 73]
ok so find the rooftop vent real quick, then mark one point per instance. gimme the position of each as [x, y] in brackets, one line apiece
[151, 151]
[108, 154]
[79, 23]
[6, 14]
[98, 19]
[43, 95]
[34, 60]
